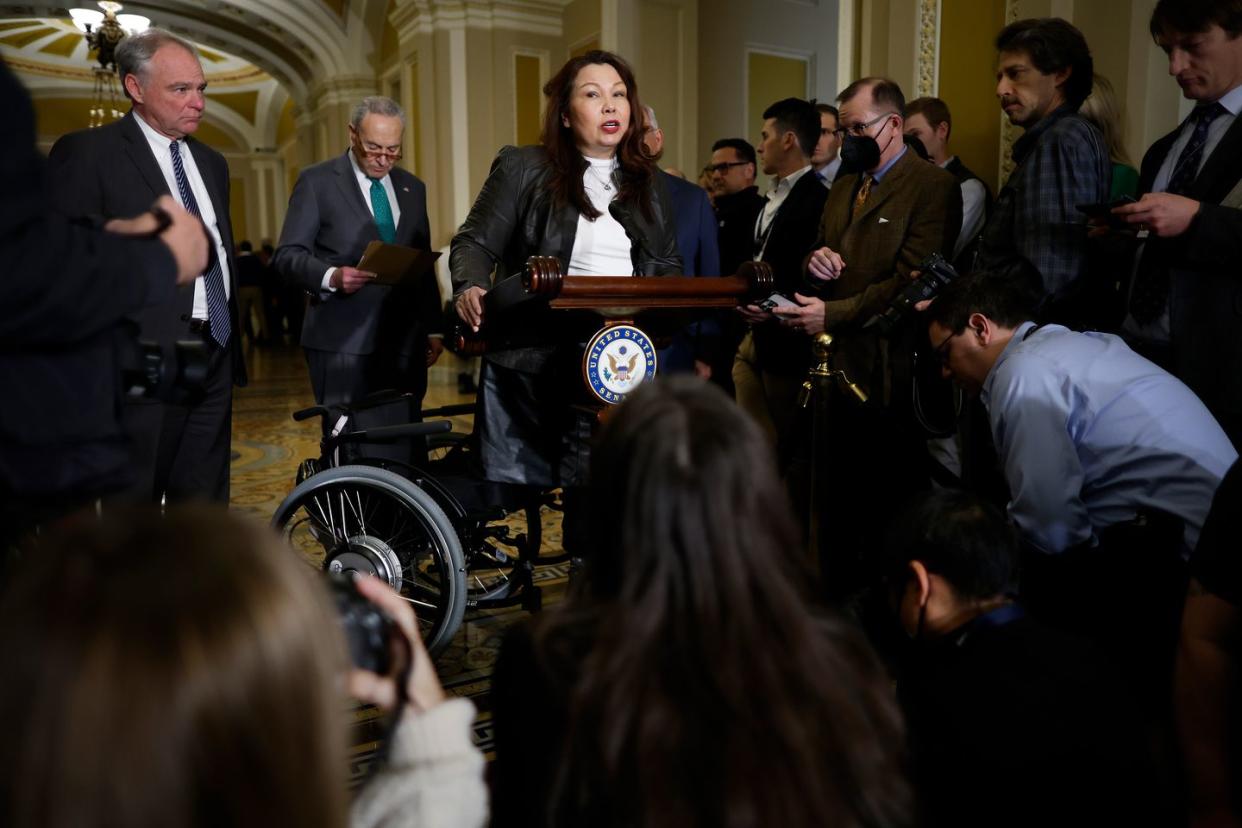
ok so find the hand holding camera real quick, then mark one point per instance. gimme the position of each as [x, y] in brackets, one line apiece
[391, 662]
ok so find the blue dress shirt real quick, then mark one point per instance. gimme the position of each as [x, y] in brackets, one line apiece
[1090, 433]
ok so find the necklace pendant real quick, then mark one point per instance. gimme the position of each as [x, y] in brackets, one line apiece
[608, 188]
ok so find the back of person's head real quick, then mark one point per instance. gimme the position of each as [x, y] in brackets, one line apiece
[710, 691]
[1104, 110]
[744, 149]
[246, 246]
[799, 117]
[1053, 44]
[169, 671]
[959, 537]
[886, 95]
[1196, 16]
[1008, 299]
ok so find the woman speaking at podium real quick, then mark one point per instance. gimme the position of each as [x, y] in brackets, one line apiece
[554, 199]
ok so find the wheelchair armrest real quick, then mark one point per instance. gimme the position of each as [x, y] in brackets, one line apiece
[307, 413]
[457, 410]
[387, 434]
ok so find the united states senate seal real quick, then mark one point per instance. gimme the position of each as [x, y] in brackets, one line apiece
[618, 359]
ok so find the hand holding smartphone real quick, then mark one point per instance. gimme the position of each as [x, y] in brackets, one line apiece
[1102, 213]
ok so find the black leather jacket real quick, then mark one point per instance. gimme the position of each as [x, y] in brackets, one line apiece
[514, 218]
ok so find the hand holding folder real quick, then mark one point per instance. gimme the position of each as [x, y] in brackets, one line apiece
[393, 264]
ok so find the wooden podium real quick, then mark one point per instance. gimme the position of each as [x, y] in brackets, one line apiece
[621, 355]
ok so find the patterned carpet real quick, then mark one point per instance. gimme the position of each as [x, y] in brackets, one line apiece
[268, 447]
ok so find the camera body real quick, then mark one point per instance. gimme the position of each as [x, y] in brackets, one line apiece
[935, 273]
[147, 370]
[368, 631]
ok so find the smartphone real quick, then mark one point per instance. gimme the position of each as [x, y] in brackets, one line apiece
[777, 300]
[1104, 210]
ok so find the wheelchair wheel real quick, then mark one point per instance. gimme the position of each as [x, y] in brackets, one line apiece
[370, 520]
[494, 539]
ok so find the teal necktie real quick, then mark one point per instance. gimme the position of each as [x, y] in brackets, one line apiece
[383, 212]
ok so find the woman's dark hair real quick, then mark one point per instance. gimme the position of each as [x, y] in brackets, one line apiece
[711, 691]
[176, 670]
[636, 166]
[1053, 44]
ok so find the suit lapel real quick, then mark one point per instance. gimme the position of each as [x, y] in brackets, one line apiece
[887, 189]
[139, 152]
[1223, 168]
[405, 202]
[347, 183]
[215, 187]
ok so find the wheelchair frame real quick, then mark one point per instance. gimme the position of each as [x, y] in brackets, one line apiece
[410, 524]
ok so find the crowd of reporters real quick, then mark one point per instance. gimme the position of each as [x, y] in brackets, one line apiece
[1051, 584]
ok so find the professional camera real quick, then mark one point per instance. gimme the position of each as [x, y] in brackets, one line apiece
[367, 629]
[934, 274]
[146, 371]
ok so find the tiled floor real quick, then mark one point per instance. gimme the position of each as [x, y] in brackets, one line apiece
[269, 445]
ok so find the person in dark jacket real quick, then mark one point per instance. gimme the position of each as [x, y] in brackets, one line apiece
[554, 199]
[1010, 722]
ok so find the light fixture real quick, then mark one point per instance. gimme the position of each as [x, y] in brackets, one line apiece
[104, 30]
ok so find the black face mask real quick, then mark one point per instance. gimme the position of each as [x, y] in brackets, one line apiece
[860, 152]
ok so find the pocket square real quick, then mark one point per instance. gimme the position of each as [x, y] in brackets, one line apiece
[883, 220]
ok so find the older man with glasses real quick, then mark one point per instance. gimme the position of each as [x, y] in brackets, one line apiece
[361, 337]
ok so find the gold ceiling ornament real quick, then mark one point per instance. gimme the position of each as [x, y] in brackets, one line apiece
[104, 30]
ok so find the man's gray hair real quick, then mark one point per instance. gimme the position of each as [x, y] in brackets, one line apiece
[134, 52]
[376, 105]
[652, 123]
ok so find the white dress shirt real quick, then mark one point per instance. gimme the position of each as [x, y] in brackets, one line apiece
[974, 196]
[161, 148]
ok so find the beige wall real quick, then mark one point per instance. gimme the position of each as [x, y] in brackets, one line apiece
[968, 31]
[727, 29]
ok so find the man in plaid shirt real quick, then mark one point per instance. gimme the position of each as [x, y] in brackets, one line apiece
[1044, 73]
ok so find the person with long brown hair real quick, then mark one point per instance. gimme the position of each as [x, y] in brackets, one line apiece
[557, 199]
[690, 681]
[187, 671]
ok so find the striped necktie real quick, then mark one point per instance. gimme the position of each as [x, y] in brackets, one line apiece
[213, 279]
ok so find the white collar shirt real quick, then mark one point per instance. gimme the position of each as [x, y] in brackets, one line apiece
[161, 148]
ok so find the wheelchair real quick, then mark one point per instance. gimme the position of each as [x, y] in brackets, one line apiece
[441, 536]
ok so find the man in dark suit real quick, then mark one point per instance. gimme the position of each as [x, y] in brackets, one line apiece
[181, 443]
[1185, 305]
[360, 337]
[771, 361]
[698, 243]
[61, 442]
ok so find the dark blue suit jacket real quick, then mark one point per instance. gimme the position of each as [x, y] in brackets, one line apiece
[698, 243]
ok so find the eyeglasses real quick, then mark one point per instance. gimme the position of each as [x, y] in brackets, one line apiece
[371, 151]
[941, 351]
[724, 166]
[859, 130]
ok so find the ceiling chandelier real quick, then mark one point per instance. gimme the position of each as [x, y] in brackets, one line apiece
[104, 30]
